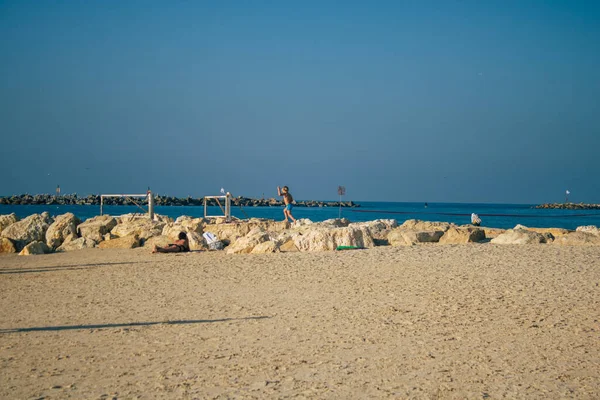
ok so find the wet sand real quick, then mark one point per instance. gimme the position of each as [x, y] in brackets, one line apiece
[428, 321]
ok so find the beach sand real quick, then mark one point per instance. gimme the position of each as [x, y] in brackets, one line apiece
[427, 321]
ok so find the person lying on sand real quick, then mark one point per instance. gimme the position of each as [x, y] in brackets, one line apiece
[180, 246]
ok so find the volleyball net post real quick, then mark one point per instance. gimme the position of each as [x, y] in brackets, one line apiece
[225, 208]
[130, 197]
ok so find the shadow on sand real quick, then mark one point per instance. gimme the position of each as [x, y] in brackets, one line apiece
[62, 267]
[123, 325]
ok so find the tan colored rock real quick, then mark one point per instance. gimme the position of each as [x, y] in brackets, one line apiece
[459, 235]
[265, 247]
[160, 241]
[28, 230]
[521, 236]
[6, 220]
[76, 244]
[196, 241]
[589, 229]
[322, 239]
[7, 246]
[126, 242]
[396, 238]
[544, 231]
[378, 229]
[247, 243]
[63, 226]
[578, 238]
[229, 233]
[424, 226]
[144, 228]
[34, 248]
[288, 245]
[335, 222]
[95, 228]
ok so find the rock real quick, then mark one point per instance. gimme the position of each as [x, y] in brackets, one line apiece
[589, 229]
[229, 233]
[196, 241]
[76, 244]
[553, 231]
[95, 228]
[6, 220]
[322, 239]
[396, 238]
[7, 246]
[418, 225]
[336, 222]
[143, 227]
[28, 230]
[521, 236]
[288, 245]
[578, 238]
[247, 243]
[378, 229]
[265, 247]
[125, 242]
[408, 237]
[63, 226]
[160, 241]
[456, 235]
[34, 248]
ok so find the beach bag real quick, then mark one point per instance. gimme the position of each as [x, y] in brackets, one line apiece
[213, 242]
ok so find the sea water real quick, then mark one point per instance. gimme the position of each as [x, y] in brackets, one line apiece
[492, 215]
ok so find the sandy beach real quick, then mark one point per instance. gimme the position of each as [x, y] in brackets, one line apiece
[425, 321]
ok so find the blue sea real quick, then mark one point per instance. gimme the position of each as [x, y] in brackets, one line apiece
[492, 215]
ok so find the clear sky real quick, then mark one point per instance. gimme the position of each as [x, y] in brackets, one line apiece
[437, 101]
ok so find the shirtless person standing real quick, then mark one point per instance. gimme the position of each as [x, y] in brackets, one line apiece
[287, 200]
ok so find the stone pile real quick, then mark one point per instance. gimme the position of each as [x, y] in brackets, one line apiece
[73, 199]
[42, 233]
[569, 206]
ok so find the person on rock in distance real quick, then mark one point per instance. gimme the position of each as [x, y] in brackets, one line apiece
[287, 200]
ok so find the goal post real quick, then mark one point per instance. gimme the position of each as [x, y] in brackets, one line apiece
[130, 197]
[225, 208]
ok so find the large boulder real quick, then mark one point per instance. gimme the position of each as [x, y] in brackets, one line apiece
[266, 247]
[126, 242]
[76, 244]
[589, 229]
[34, 248]
[142, 227]
[378, 229]
[521, 236]
[578, 238]
[160, 241]
[408, 237]
[28, 230]
[335, 222]
[230, 232]
[459, 235]
[95, 228]
[6, 220]
[7, 246]
[247, 243]
[63, 226]
[553, 231]
[418, 225]
[321, 239]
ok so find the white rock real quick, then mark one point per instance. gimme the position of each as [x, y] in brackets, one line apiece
[28, 230]
[95, 228]
[76, 244]
[521, 236]
[63, 226]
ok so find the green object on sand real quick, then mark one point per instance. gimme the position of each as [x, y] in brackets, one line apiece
[348, 248]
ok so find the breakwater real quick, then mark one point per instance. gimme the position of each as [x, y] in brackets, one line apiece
[569, 206]
[75, 200]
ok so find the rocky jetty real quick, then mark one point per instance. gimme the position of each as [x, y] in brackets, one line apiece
[73, 199]
[42, 233]
[570, 206]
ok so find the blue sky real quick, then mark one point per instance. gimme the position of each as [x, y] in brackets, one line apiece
[449, 101]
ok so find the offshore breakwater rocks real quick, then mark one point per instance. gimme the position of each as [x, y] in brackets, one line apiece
[570, 206]
[94, 199]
